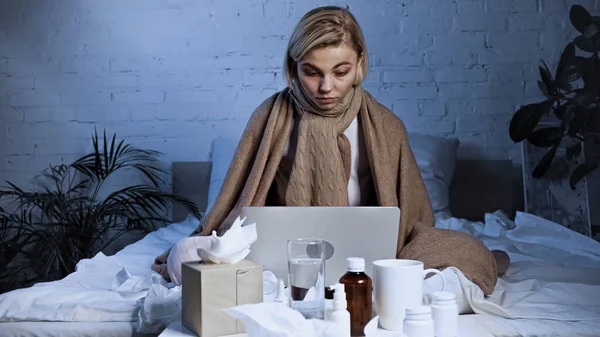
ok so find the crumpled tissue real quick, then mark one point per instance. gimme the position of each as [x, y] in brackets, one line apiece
[233, 246]
[160, 307]
[124, 282]
[230, 248]
[278, 320]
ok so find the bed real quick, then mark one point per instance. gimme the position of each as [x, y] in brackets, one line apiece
[549, 290]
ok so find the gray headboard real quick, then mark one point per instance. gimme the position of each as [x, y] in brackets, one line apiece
[478, 187]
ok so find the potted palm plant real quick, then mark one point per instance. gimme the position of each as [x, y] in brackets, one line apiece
[66, 216]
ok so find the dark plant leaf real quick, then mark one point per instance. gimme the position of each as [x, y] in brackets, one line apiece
[560, 111]
[566, 58]
[547, 79]
[583, 44]
[588, 74]
[591, 30]
[585, 97]
[63, 219]
[574, 151]
[574, 69]
[544, 164]
[564, 85]
[543, 88]
[578, 122]
[545, 137]
[526, 119]
[580, 172]
[594, 121]
[580, 18]
[107, 162]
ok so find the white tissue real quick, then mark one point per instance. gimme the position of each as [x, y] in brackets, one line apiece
[183, 251]
[124, 282]
[160, 307]
[232, 247]
[277, 320]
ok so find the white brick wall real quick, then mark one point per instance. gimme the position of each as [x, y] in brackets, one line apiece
[172, 74]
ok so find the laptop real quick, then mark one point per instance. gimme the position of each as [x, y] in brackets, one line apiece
[367, 232]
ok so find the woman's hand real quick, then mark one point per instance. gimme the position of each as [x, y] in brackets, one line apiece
[162, 258]
[502, 261]
[160, 265]
[162, 270]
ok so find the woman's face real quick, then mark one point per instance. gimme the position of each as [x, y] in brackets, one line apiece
[327, 74]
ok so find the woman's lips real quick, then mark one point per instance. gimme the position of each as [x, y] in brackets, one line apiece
[326, 100]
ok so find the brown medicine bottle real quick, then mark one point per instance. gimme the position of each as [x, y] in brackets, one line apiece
[359, 290]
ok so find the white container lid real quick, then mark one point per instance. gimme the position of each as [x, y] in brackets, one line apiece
[418, 313]
[443, 296]
[420, 309]
[356, 264]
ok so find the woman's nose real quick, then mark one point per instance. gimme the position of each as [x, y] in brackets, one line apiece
[326, 84]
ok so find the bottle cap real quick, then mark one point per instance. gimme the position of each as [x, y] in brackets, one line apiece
[281, 297]
[339, 296]
[356, 264]
[443, 296]
[418, 313]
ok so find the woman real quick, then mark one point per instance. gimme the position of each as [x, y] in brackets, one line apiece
[325, 141]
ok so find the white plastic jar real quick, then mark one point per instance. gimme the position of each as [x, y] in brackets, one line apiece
[418, 322]
[444, 312]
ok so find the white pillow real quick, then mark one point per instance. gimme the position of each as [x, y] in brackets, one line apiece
[435, 155]
[222, 152]
[436, 158]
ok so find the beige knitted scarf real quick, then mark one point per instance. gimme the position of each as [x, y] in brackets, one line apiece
[321, 170]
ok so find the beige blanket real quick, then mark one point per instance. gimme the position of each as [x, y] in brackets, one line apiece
[321, 171]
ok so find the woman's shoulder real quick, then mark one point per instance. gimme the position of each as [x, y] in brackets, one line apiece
[389, 119]
[267, 105]
[271, 100]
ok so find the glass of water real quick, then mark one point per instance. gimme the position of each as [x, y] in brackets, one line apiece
[306, 269]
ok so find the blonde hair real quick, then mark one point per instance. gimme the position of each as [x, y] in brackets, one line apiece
[327, 26]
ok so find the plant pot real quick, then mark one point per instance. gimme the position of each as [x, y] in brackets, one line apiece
[551, 197]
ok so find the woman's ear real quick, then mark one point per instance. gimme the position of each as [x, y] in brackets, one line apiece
[359, 70]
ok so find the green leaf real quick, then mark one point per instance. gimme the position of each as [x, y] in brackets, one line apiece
[526, 119]
[545, 137]
[544, 164]
[574, 151]
[580, 172]
[580, 18]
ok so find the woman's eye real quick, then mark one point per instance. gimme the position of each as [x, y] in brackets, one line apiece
[310, 73]
[341, 74]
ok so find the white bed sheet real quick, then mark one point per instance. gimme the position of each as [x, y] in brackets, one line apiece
[551, 287]
[547, 256]
[70, 329]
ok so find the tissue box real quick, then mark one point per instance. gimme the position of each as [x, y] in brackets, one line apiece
[208, 288]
